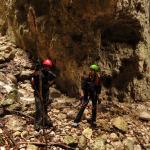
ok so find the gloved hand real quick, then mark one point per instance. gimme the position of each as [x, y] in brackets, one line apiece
[81, 98]
[32, 82]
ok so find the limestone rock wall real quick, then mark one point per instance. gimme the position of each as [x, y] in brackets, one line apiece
[113, 33]
[3, 16]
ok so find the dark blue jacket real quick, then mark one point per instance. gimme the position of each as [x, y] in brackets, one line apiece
[91, 84]
[46, 77]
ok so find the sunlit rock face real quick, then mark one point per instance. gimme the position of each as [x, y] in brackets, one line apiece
[75, 33]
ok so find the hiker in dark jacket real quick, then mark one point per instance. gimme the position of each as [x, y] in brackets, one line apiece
[41, 80]
[91, 87]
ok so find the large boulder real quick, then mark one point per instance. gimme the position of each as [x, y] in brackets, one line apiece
[120, 124]
[99, 144]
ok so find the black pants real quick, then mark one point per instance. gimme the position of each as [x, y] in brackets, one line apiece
[88, 95]
[39, 109]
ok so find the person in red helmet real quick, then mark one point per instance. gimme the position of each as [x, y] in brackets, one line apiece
[47, 63]
[41, 80]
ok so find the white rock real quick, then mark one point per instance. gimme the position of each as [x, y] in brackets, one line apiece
[52, 133]
[3, 48]
[24, 134]
[87, 133]
[137, 147]
[32, 147]
[144, 116]
[1, 131]
[114, 137]
[2, 148]
[8, 88]
[17, 133]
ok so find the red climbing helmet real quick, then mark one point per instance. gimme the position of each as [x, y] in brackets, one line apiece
[47, 62]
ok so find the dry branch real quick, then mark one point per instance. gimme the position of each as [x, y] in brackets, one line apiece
[6, 111]
[51, 144]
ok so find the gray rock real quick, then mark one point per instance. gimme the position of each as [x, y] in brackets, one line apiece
[13, 107]
[137, 147]
[82, 141]
[99, 144]
[2, 77]
[9, 56]
[120, 123]
[17, 133]
[14, 123]
[70, 139]
[55, 93]
[144, 116]
[128, 144]
[109, 147]
[87, 133]
[31, 147]
[6, 102]
[61, 116]
[5, 48]
[25, 74]
[8, 88]
[24, 134]
[118, 145]
[27, 100]
[114, 137]
[12, 78]
[10, 98]
[1, 131]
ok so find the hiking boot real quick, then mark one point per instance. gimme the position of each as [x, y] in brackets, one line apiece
[48, 124]
[93, 125]
[89, 121]
[75, 124]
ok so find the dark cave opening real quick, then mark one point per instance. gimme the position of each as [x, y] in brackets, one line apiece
[107, 81]
[122, 33]
[128, 71]
[77, 37]
[41, 7]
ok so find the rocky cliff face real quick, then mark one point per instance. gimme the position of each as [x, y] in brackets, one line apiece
[113, 33]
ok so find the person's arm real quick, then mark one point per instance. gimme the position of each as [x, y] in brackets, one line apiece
[52, 78]
[81, 92]
[35, 79]
[98, 83]
[84, 82]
